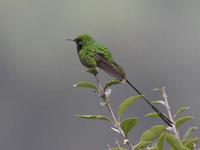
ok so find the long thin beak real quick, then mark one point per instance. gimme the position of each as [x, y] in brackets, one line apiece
[69, 39]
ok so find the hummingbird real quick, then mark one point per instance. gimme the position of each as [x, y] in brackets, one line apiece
[95, 55]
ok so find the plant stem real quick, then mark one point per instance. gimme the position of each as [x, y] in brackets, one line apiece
[164, 95]
[108, 105]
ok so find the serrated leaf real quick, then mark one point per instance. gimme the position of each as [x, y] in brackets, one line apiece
[159, 102]
[180, 110]
[85, 84]
[191, 143]
[111, 83]
[152, 115]
[154, 132]
[189, 132]
[128, 124]
[93, 71]
[128, 102]
[182, 120]
[142, 145]
[94, 117]
[173, 142]
[161, 140]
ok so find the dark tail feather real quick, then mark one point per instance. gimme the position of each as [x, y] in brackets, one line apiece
[164, 118]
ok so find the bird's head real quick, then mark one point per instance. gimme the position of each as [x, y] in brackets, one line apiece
[82, 40]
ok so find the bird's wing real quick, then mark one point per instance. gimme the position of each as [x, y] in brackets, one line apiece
[102, 50]
[109, 66]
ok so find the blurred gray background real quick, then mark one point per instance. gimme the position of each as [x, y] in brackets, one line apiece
[156, 42]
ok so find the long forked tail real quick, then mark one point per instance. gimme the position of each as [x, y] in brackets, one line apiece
[162, 116]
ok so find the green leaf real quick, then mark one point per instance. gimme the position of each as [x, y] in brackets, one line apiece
[180, 110]
[85, 84]
[152, 115]
[189, 132]
[182, 120]
[154, 132]
[159, 102]
[184, 141]
[128, 124]
[173, 142]
[185, 148]
[94, 117]
[111, 83]
[142, 145]
[161, 140]
[191, 143]
[127, 102]
[93, 71]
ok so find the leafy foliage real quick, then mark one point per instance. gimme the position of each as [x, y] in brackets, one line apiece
[128, 124]
[173, 141]
[189, 132]
[153, 133]
[191, 142]
[93, 71]
[159, 102]
[154, 138]
[126, 103]
[142, 145]
[94, 117]
[180, 110]
[152, 115]
[111, 83]
[182, 120]
[160, 143]
[85, 84]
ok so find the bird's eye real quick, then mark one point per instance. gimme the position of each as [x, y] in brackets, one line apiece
[80, 42]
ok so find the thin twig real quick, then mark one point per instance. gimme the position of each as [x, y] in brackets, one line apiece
[164, 95]
[106, 100]
[108, 105]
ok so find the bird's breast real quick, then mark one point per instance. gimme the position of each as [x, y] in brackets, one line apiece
[87, 59]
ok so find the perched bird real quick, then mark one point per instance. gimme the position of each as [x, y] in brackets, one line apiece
[93, 54]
